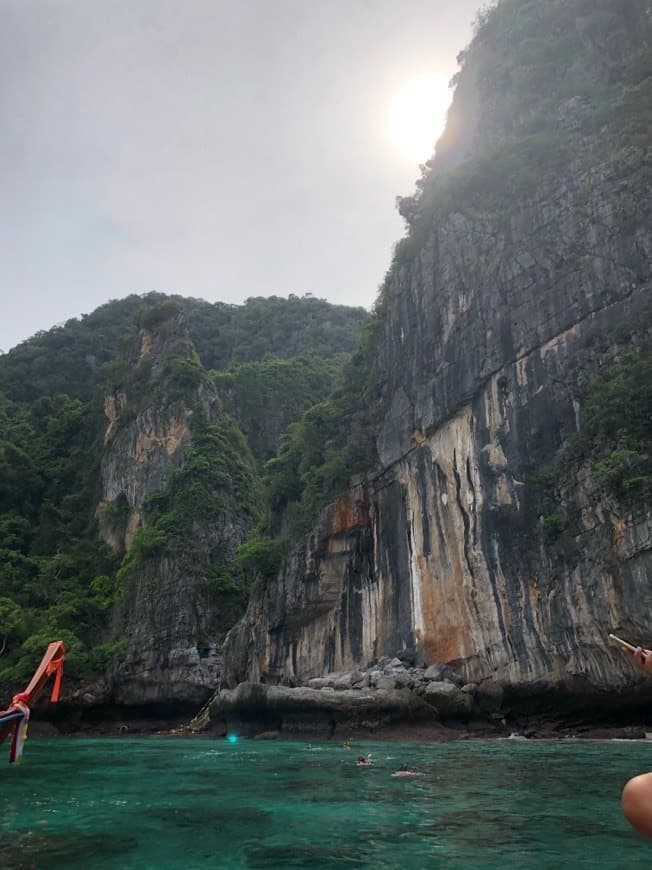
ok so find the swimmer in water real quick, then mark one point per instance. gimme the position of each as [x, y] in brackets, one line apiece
[404, 770]
[347, 744]
[364, 762]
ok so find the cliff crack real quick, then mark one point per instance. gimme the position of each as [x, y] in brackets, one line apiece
[491, 374]
[465, 516]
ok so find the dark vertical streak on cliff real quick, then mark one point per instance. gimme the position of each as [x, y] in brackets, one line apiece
[464, 515]
[357, 574]
[422, 478]
[394, 550]
[439, 490]
[474, 512]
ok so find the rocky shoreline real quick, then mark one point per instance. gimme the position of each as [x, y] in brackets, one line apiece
[515, 728]
[387, 694]
[393, 699]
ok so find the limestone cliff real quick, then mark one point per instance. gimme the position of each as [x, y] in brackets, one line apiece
[513, 266]
[166, 430]
[145, 436]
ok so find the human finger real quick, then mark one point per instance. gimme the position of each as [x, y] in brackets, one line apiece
[640, 657]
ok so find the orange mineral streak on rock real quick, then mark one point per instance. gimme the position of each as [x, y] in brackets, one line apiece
[113, 405]
[346, 515]
[174, 434]
[445, 586]
[446, 634]
[587, 519]
[618, 525]
[447, 647]
[535, 596]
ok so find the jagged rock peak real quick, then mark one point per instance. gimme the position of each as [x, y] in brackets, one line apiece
[162, 335]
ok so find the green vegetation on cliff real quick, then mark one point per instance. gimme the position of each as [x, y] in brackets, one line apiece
[68, 358]
[617, 430]
[614, 440]
[183, 522]
[333, 441]
[226, 335]
[615, 435]
[58, 578]
[266, 396]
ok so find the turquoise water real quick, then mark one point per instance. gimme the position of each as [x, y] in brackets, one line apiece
[176, 803]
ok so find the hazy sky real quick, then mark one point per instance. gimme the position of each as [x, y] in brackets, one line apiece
[208, 148]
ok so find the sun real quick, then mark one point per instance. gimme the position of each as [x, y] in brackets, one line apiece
[417, 116]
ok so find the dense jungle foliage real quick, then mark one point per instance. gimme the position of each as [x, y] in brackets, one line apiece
[271, 357]
[68, 358]
[266, 396]
[58, 578]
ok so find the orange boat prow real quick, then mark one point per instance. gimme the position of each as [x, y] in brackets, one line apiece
[17, 714]
[51, 663]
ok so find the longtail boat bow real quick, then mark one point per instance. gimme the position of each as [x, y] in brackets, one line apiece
[14, 719]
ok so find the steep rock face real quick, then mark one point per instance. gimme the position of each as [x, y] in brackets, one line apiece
[319, 614]
[480, 370]
[478, 298]
[146, 434]
[171, 654]
[137, 462]
[167, 620]
[443, 554]
[264, 428]
[449, 563]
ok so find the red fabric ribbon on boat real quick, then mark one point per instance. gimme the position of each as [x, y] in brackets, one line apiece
[16, 717]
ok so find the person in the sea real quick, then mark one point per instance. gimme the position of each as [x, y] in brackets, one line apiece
[637, 794]
[347, 744]
[364, 762]
[404, 770]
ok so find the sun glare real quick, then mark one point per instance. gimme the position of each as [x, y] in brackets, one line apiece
[417, 115]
